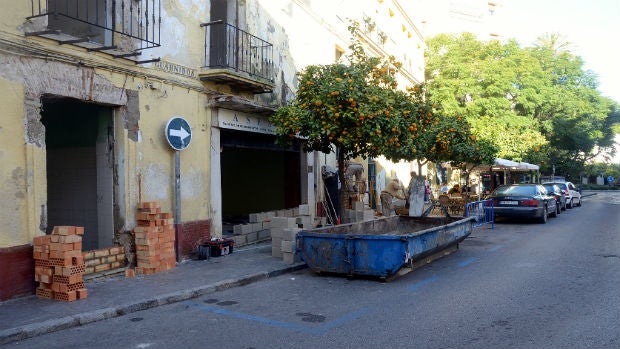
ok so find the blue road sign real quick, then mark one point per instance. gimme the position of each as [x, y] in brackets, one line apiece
[610, 179]
[178, 133]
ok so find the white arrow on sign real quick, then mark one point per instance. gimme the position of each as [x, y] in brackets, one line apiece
[181, 133]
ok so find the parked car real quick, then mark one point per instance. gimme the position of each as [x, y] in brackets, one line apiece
[525, 201]
[560, 196]
[573, 194]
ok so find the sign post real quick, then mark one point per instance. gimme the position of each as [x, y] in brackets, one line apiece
[179, 135]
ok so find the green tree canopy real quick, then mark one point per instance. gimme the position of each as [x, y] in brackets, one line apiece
[535, 104]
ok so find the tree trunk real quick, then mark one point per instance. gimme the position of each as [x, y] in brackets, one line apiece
[341, 191]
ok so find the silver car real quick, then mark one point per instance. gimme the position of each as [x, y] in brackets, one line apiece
[573, 196]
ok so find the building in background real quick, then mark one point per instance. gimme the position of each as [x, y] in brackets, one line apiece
[88, 88]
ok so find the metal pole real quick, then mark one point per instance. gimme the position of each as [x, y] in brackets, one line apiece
[177, 202]
[177, 179]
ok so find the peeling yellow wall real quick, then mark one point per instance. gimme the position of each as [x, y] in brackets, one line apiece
[13, 172]
[31, 67]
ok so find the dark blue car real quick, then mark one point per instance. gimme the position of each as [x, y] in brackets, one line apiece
[524, 201]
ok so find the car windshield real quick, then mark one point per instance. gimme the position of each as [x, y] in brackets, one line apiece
[561, 185]
[550, 188]
[516, 190]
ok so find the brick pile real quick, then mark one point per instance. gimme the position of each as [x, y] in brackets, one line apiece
[59, 264]
[154, 238]
[105, 259]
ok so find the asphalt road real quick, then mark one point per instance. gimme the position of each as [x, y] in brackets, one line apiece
[520, 285]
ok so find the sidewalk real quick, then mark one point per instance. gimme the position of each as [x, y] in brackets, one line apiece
[116, 296]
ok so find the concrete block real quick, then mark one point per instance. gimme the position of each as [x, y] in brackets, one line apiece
[369, 215]
[257, 226]
[276, 233]
[290, 233]
[358, 205]
[276, 247]
[270, 214]
[251, 237]
[240, 240]
[253, 218]
[264, 234]
[237, 229]
[304, 210]
[246, 228]
[281, 213]
[295, 211]
[290, 257]
[283, 222]
[288, 246]
[266, 224]
[303, 220]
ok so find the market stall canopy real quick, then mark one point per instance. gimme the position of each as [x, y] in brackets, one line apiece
[504, 164]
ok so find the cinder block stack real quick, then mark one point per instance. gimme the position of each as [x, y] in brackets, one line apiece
[283, 232]
[59, 264]
[154, 237]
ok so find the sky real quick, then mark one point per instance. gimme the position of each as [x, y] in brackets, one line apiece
[592, 26]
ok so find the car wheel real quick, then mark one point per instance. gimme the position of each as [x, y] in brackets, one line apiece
[543, 219]
[564, 206]
[570, 203]
[555, 211]
[558, 208]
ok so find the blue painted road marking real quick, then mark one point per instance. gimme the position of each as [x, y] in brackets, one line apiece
[276, 323]
[421, 283]
[495, 248]
[468, 261]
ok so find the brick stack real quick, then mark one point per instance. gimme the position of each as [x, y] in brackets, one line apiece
[104, 260]
[59, 264]
[154, 237]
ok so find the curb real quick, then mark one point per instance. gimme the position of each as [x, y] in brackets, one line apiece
[49, 326]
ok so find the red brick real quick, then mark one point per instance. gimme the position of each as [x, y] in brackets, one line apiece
[71, 279]
[79, 230]
[64, 230]
[130, 272]
[81, 293]
[102, 267]
[66, 296]
[69, 270]
[41, 240]
[45, 293]
[155, 210]
[102, 253]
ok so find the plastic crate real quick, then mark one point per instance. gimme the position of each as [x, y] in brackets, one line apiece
[216, 248]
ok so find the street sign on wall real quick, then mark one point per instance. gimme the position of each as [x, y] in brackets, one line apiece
[178, 133]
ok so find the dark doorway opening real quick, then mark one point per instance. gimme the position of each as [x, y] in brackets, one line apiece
[257, 175]
[79, 140]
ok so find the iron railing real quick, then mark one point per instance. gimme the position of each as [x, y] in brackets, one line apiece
[483, 211]
[137, 19]
[228, 47]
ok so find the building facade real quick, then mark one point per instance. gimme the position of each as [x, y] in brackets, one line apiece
[89, 87]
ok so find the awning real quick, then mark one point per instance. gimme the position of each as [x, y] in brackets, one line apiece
[507, 165]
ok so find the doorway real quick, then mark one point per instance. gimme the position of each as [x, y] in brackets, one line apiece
[79, 141]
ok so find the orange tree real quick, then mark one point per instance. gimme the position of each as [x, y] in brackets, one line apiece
[356, 109]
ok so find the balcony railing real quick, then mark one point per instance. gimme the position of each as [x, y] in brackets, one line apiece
[238, 58]
[94, 24]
